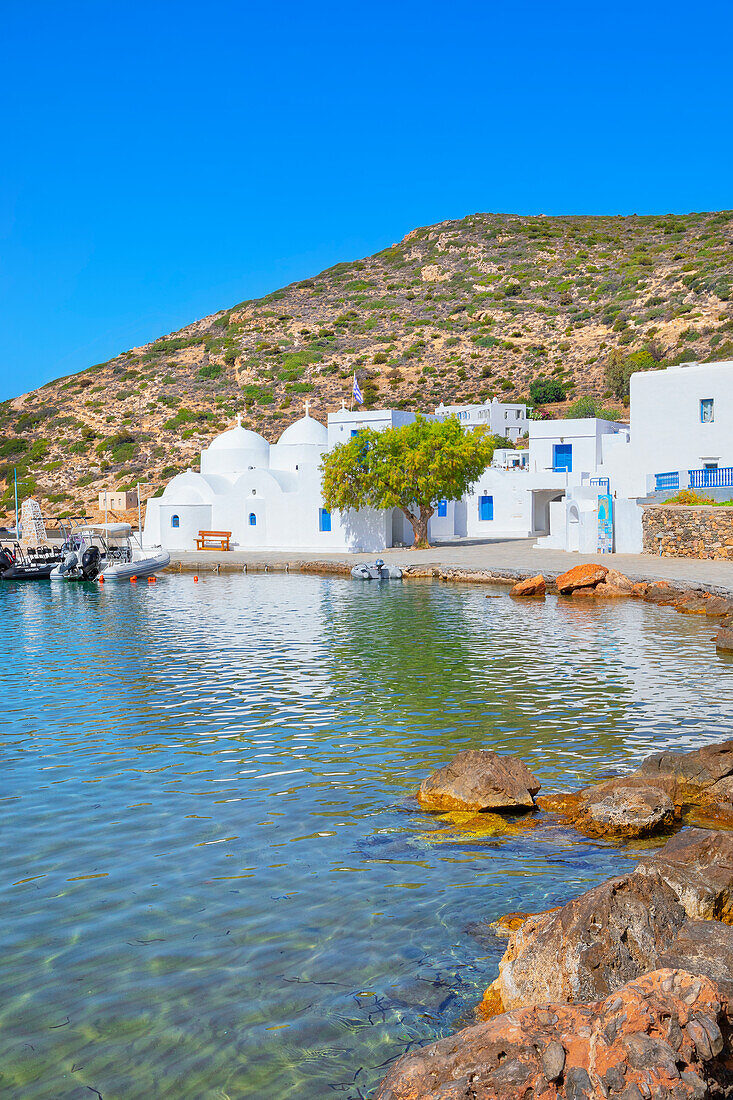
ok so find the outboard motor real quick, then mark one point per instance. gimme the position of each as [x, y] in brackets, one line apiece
[6, 561]
[90, 563]
[70, 562]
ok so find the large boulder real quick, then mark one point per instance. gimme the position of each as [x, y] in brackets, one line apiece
[724, 639]
[591, 946]
[530, 586]
[703, 947]
[620, 929]
[479, 779]
[662, 1036]
[581, 576]
[625, 812]
[700, 768]
[697, 865]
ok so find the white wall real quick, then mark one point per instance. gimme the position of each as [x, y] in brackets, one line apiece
[666, 430]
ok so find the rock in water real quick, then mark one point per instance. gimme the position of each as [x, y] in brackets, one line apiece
[625, 812]
[581, 576]
[531, 586]
[697, 864]
[622, 928]
[661, 1036]
[479, 779]
[593, 945]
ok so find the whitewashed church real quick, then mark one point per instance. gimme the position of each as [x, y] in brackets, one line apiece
[267, 495]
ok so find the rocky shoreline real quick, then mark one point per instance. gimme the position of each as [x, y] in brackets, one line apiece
[625, 992]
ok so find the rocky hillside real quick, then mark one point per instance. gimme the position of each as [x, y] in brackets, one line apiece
[463, 310]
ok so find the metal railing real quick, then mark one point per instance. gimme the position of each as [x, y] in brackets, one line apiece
[667, 481]
[720, 478]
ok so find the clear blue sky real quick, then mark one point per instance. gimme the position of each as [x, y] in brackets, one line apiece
[161, 160]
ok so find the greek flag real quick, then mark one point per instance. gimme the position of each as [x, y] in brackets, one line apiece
[358, 396]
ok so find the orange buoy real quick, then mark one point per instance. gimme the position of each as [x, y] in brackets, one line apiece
[133, 579]
[101, 580]
[195, 580]
[152, 580]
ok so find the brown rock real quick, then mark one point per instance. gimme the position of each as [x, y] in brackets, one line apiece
[581, 576]
[479, 779]
[640, 588]
[693, 603]
[531, 586]
[662, 593]
[717, 607]
[662, 1036]
[619, 580]
[625, 812]
[610, 591]
[697, 864]
[724, 639]
[703, 947]
[593, 945]
[700, 768]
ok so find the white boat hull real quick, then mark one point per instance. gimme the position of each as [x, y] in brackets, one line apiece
[141, 567]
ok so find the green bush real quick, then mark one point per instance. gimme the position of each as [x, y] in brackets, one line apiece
[544, 390]
[210, 371]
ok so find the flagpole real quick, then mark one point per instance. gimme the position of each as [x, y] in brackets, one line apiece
[15, 471]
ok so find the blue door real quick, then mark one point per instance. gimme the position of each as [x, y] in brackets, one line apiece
[442, 509]
[324, 520]
[485, 507]
[562, 457]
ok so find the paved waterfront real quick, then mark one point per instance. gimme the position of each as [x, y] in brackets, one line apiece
[511, 557]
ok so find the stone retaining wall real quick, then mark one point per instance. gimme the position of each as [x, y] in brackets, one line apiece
[702, 532]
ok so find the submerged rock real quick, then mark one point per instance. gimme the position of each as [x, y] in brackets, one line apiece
[581, 576]
[531, 586]
[724, 639]
[662, 1036]
[625, 812]
[479, 779]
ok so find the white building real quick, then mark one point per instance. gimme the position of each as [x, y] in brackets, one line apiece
[267, 495]
[690, 411]
[501, 418]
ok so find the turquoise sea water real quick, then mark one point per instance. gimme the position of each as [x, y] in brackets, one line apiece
[214, 881]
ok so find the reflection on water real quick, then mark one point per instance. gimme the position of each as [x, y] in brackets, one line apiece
[214, 883]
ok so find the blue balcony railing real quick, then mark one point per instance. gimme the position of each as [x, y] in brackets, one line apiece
[667, 481]
[719, 478]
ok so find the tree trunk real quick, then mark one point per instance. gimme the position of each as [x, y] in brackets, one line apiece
[419, 524]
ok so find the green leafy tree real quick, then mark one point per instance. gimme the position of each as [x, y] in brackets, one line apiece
[543, 390]
[410, 468]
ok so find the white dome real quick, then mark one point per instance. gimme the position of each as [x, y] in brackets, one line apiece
[303, 432]
[240, 439]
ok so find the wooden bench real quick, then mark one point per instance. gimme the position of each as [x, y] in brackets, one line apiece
[219, 540]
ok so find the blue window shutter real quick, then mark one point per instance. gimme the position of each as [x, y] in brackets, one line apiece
[485, 508]
[324, 520]
[442, 509]
[252, 519]
[175, 521]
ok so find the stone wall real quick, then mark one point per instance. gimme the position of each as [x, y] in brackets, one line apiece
[688, 532]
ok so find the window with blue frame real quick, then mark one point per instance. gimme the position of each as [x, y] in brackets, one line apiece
[562, 457]
[442, 509]
[175, 521]
[324, 519]
[485, 507]
[355, 431]
[252, 519]
[707, 410]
